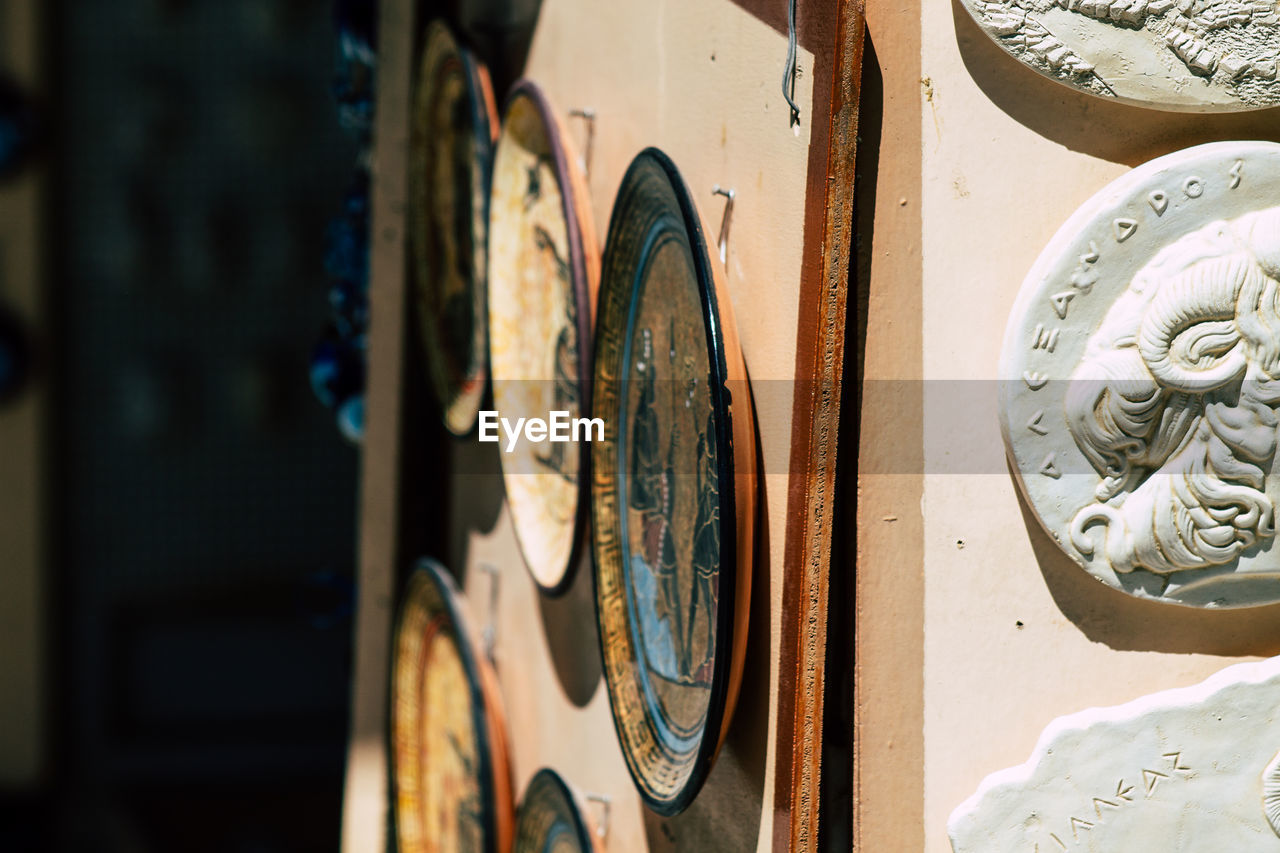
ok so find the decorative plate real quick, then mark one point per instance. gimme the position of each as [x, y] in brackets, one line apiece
[1139, 397]
[673, 486]
[448, 732]
[453, 130]
[1187, 55]
[552, 819]
[544, 270]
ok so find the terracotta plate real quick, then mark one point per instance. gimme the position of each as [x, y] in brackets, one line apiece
[552, 819]
[544, 269]
[673, 486]
[451, 152]
[448, 733]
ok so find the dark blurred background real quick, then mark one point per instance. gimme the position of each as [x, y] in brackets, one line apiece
[183, 572]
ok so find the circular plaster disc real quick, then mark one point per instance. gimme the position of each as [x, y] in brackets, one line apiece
[552, 819]
[673, 486]
[1140, 379]
[448, 733]
[1185, 55]
[544, 265]
[453, 128]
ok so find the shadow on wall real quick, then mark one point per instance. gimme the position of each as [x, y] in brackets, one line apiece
[1126, 623]
[1086, 123]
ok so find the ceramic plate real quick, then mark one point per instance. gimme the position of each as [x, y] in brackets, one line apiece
[448, 733]
[453, 129]
[544, 269]
[552, 819]
[673, 486]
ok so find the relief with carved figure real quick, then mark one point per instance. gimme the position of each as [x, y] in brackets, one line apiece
[1193, 55]
[1140, 379]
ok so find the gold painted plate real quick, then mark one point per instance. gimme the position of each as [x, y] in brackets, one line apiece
[450, 763]
[544, 270]
[673, 486]
[454, 126]
[552, 819]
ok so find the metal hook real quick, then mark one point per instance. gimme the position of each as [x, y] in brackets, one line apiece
[588, 114]
[606, 805]
[489, 636]
[722, 242]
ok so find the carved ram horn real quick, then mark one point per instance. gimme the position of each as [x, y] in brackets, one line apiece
[1202, 296]
[1261, 234]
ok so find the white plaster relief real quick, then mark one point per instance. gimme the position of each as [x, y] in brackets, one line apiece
[1145, 438]
[1189, 769]
[1195, 55]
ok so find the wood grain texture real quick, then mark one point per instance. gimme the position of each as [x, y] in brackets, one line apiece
[815, 424]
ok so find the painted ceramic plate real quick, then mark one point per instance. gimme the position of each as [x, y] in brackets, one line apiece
[552, 819]
[544, 269]
[673, 486]
[448, 732]
[453, 130]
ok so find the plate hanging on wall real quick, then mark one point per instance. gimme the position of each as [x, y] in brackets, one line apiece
[673, 486]
[453, 129]
[544, 270]
[552, 819]
[450, 763]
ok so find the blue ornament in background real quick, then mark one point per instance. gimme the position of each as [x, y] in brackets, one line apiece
[338, 364]
[351, 418]
[356, 64]
[337, 369]
[19, 128]
[346, 254]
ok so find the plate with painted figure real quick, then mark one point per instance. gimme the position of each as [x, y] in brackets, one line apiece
[552, 818]
[673, 486]
[450, 768]
[1183, 55]
[544, 270]
[1140, 379]
[452, 133]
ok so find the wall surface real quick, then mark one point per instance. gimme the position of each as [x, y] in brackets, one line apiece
[701, 80]
[957, 578]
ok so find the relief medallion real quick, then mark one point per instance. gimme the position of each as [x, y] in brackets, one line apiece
[1191, 769]
[1140, 379]
[1187, 55]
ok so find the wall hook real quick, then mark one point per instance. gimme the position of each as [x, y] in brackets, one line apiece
[606, 806]
[587, 114]
[722, 242]
[489, 636]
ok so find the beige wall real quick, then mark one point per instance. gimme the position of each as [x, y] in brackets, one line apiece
[1004, 157]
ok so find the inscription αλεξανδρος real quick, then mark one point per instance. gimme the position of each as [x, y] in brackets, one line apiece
[1146, 342]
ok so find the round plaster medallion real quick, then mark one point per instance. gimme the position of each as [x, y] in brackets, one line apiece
[1186, 55]
[1141, 379]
